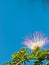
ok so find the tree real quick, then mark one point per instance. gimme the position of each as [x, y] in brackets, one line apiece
[37, 55]
[23, 56]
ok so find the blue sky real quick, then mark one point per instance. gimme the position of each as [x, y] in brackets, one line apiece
[19, 18]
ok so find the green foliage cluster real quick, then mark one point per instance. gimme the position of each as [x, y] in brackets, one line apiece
[23, 56]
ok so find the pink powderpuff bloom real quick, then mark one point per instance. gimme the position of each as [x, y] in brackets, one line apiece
[38, 40]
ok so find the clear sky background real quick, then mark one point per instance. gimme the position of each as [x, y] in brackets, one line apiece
[19, 18]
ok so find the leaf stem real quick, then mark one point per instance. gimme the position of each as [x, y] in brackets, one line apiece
[20, 62]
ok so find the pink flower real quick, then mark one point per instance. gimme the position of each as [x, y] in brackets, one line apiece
[38, 40]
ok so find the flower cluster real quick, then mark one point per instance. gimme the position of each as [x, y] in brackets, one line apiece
[38, 40]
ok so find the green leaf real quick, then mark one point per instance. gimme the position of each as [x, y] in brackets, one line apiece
[19, 54]
[47, 63]
[37, 63]
[23, 56]
[15, 55]
[41, 54]
[31, 55]
[7, 63]
[24, 62]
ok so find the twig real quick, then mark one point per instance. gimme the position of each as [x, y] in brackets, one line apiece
[20, 62]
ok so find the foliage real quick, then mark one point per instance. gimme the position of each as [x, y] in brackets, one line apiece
[23, 56]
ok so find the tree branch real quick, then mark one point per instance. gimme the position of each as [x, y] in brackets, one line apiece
[20, 62]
